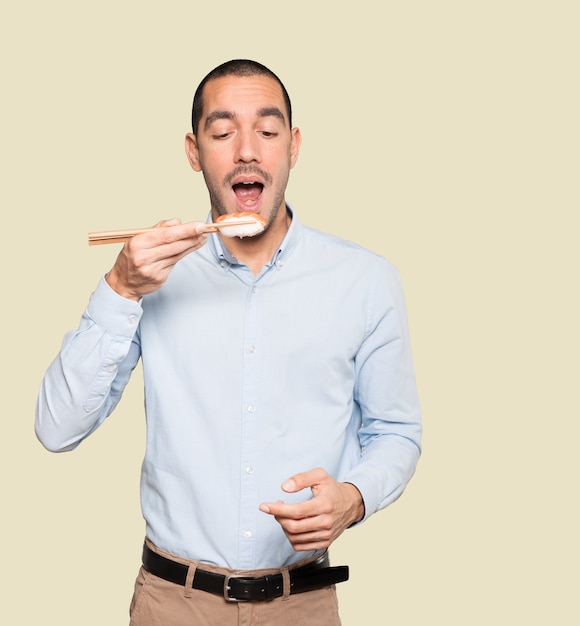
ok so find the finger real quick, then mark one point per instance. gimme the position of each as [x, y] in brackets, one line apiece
[295, 511]
[193, 245]
[201, 228]
[304, 480]
[309, 534]
[279, 509]
[169, 241]
[171, 231]
[310, 544]
[191, 236]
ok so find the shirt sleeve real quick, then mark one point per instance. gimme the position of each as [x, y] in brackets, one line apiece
[86, 380]
[385, 390]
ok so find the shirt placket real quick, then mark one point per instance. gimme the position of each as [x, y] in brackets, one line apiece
[250, 414]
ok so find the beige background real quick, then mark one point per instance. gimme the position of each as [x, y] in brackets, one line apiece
[444, 135]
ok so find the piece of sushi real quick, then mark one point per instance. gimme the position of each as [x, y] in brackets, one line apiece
[252, 224]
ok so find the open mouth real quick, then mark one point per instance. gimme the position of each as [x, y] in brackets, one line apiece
[248, 192]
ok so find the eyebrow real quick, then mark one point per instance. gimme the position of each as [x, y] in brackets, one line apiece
[272, 112]
[229, 115]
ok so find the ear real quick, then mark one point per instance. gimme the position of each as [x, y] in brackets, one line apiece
[295, 146]
[192, 152]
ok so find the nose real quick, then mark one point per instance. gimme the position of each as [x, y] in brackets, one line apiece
[247, 147]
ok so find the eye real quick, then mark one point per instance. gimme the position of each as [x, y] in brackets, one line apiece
[268, 133]
[219, 136]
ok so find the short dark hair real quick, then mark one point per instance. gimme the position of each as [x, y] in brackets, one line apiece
[235, 67]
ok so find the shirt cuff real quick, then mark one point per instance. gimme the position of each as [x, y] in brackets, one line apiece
[117, 315]
[367, 487]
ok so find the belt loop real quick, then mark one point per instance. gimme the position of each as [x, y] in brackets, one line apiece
[188, 587]
[285, 584]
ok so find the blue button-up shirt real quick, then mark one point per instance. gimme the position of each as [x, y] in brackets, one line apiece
[248, 381]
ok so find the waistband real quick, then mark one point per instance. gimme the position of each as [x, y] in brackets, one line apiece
[239, 587]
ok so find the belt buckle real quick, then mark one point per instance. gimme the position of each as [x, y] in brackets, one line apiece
[227, 588]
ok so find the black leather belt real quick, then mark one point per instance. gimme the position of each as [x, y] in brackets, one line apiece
[314, 575]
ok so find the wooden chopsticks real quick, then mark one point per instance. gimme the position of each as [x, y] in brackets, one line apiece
[120, 236]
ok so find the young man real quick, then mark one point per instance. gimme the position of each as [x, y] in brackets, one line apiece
[279, 385]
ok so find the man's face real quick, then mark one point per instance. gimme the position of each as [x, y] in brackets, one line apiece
[244, 146]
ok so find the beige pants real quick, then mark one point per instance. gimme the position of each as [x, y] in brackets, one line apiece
[157, 602]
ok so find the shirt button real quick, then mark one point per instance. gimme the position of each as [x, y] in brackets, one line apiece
[223, 263]
[254, 289]
[247, 534]
[280, 263]
[249, 470]
[132, 319]
[251, 409]
[252, 349]
[110, 369]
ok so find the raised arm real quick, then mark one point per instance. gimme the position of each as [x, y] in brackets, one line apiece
[85, 382]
